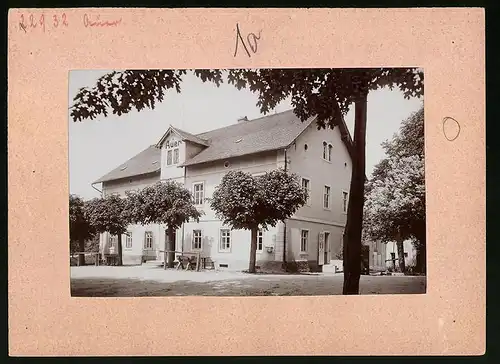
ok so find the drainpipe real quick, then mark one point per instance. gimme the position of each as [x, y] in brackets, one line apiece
[284, 223]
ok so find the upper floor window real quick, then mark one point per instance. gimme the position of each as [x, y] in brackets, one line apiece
[196, 239]
[306, 184]
[327, 151]
[345, 201]
[176, 155]
[326, 197]
[148, 240]
[225, 240]
[260, 240]
[198, 192]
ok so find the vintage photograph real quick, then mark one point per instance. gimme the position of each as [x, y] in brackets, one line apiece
[247, 182]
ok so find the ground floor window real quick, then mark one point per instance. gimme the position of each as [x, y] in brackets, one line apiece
[260, 240]
[225, 240]
[196, 239]
[128, 240]
[148, 240]
[113, 239]
[304, 240]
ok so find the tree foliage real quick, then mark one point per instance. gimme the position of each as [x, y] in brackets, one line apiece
[243, 201]
[107, 214]
[395, 199]
[79, 225]
[166, 203]
[80, 228]
[325, 93]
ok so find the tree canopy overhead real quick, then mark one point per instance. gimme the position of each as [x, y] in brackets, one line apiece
[326, 93]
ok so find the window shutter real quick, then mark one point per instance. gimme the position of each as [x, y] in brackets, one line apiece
[144, 242]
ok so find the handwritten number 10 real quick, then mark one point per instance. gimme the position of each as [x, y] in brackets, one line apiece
[251, 39]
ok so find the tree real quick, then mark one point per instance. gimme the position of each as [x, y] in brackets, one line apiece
[107, 214]
[166, 203]
[80, 228]
[242, 201]
[395, 199]
[325, 93]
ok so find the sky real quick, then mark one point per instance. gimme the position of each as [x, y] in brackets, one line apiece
[100, 145]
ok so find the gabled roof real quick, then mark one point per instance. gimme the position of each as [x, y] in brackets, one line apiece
[268, 133]
[147, 161]
[184, 135]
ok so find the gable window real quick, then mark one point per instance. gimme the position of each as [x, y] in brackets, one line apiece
[128, 240]
[148, 240]
[196, 244]
[304, 240]
[326, 197]
[260, 240]
[169, 157]
[176, 155]
[306, 184]
[345, 201]
[225, 240]
[198, 192]
[330, 149]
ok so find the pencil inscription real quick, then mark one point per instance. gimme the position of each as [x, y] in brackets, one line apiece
[252, 41]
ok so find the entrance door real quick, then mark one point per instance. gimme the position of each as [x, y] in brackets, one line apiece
[321, 249]
[327, 248]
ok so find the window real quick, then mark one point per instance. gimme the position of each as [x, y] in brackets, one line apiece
[169, 157]
[304, 240]
[148, 240]
[176, 155]
[345, 201]
[128, 240]
[113, 239]
[198, 193]
[196, 239]
[225, 240]
[260, 240]
[326, 197]
[393, 256]
[327, 151]
[406, 255]
[306, 184]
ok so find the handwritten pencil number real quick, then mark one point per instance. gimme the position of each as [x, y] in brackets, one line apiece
[252, 41]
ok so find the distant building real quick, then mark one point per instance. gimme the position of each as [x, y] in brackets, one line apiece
[392, 254]
[312, 237]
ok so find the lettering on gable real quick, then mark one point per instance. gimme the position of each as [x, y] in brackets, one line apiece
[172, 143]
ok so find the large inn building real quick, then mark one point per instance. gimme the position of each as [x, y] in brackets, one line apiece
[312, 237]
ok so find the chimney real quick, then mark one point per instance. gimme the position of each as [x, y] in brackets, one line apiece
[244, 118]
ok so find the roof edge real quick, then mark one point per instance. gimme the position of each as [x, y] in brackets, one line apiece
[104, 179]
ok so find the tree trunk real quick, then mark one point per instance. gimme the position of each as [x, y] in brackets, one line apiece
[81, 248]
[401, 254]
[120, 251]
[253, 250]
[171, 247]
[421, 255]
[352, 234]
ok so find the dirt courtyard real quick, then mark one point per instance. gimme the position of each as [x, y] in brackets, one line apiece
[137, 281]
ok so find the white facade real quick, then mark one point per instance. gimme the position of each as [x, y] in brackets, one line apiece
[313, 235]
